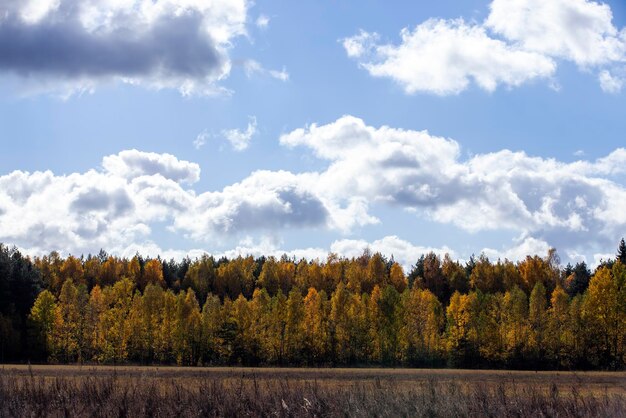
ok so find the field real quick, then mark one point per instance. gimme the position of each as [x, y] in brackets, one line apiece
[173, 391]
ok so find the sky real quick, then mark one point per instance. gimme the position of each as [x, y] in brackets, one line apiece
[232, 127]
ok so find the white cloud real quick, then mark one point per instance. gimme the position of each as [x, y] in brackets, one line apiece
[252, 67]
[577, 207]
[240, 139]
[201, 139]
[83, 212]
[262, 22]
[523, 247]
[281, 75]
[118, 206]
[610, 83]
[520, 41]
[358, 45]
[133, 163]
[404, 252]
[577, 30]
[443, 56]
[265, 200]
[85, 43]
[568, 205]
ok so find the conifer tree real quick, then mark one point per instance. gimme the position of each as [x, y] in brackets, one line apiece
[621, 252]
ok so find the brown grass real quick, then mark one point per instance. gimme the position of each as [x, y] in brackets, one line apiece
[54, 391]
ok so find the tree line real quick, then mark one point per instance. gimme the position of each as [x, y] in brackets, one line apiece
[342, 311]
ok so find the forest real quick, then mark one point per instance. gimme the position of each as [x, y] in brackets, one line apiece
[532, 314]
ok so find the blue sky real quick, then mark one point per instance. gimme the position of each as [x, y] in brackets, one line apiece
[323, 128]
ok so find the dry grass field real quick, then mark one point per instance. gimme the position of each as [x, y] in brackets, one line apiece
[104, 391]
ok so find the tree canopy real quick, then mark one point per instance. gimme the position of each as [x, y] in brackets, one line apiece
[340, 311]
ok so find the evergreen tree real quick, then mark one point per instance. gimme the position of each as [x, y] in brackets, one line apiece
[621, 252]
[578, 281]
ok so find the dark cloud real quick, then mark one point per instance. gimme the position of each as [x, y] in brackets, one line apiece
[295, 208]
[173, 46]
[116, 203]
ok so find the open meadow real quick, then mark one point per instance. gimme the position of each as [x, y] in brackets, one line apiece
[107, 391]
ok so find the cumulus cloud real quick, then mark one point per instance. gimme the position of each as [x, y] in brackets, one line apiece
[134, 41]
[442, 57]
[83, 212]
[568, 205]
[263, 201]
[240, 139]
[518, 251]
[520, 41]
[132, 163]
[119, 205]
[577, 30]
[404, 252]
[577, 207]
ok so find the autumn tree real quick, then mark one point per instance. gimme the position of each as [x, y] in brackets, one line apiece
[309, 274]
[72, 269]
[538, 321]
[236, 277]
[376, 272]
[314, 326]
[69, 339]
[332, 272]
[532, 270]
[459, 314]
[339, 325]
[421, 326]
[602, 311]
[43, 317]
[484, 276]
[133, 272]
[559, 335]
[455, 275]
[269, 277]
[200, 276]
[530, 314]
[294, 326]
[514, 324]
[112, 327]
[397, 278]
[152, 274]
[211, 320]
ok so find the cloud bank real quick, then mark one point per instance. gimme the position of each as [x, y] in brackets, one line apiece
[578, 207]
[565, 204]
[519, 42]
